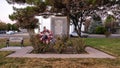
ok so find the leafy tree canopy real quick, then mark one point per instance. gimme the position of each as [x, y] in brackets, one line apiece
[3, 26]
[25, 17]
[76, 10]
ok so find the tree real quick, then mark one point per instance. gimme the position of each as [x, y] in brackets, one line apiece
[3, 26]
[95, 22]
[9, 26]
[76, 10]
[15, 27]
[25, 19]
[110, 23]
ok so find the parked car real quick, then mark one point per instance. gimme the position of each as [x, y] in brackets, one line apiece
[10, 32]
[74, 34]
[2, 32]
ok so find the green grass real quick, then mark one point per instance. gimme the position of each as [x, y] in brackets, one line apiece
[106, 44]
[109, 45]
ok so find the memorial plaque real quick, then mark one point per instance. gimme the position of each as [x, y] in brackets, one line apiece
[59, 26]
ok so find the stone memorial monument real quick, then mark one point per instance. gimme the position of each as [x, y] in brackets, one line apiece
[59, 26]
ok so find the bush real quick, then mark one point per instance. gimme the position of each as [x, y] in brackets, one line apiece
[39, 46]
[59, 45]
[62, 45]
[79, 45]
[100, 30]
[69, 42]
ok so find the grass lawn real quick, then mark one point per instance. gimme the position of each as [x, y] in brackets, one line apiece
[108, 45]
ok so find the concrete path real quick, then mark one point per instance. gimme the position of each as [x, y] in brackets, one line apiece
[25, 52]
[11, 48]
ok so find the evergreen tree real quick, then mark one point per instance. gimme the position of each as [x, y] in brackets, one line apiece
[95, 22]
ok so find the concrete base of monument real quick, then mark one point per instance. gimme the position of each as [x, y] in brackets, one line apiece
[24, 52]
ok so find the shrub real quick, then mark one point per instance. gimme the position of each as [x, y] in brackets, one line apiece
[64, 38]
[62, 44]
[59, 45]
[69, 42]
[100, 30]
[79, 44]
[39, 46]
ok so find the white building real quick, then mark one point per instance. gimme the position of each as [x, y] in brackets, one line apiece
[47, 22]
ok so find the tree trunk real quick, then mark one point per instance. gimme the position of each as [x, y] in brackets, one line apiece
[68, 25]
[80, 26]
[76, 24]
[68, 17]
[31, 34]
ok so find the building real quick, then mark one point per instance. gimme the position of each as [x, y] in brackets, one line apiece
[48, 21]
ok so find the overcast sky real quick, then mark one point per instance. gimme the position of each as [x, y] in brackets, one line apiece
[6, 10]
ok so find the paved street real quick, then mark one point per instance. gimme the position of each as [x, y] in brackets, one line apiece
[103, 36]
[25, 35]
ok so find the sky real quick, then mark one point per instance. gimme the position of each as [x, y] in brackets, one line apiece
[6, 9]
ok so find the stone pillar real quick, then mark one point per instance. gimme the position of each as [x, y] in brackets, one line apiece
[59, 26]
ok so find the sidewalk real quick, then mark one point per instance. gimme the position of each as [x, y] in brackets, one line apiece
[24, 52]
